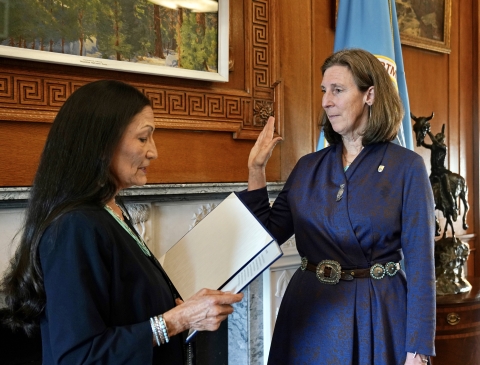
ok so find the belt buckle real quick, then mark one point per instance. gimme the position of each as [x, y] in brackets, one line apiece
[335, 272]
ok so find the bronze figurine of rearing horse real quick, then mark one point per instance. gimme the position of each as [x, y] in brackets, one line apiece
[447, 186]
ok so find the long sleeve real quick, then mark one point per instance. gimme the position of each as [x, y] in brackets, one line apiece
[382, 205]
[278, 218]
[417, 241]
[77, 277]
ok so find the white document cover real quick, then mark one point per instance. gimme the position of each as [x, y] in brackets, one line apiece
[226, 250]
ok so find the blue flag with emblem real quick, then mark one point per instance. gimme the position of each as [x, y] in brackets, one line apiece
[372, 25]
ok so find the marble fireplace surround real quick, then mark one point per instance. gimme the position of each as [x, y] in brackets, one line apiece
[163, 213]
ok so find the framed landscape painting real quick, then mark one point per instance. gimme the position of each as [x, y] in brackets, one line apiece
[425, 23]
[124, 35]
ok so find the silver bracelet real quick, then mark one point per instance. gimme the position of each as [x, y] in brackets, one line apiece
[159, 330]
[154, 330]
[163, 325]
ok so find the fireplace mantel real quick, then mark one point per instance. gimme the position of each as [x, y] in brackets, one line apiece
[17, 196]
[162, 213]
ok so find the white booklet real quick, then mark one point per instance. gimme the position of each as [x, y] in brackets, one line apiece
[226, 250]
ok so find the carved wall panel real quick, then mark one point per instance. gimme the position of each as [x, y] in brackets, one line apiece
[32, 94]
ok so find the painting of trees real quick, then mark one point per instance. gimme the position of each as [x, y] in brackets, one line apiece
[198, 42]
[120, 30]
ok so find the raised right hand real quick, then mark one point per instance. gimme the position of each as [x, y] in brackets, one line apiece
[259, 155]
[263, 148]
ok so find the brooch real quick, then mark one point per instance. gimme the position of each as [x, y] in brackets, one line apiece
[340, 192]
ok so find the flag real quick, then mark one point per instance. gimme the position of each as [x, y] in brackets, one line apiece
[372, 25]
[322, 142]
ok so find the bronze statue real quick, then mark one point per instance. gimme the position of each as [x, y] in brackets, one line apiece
[450, 252]
[447, 186]
[450, 257]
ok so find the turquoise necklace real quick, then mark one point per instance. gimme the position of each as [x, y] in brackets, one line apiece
[139, 241]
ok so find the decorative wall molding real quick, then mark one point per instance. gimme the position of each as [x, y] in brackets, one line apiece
[158, 192]
[201, 213]
[36, 95]
[262, 110]
[282, 284]
[140, 215]
[275, 282]
[290, 243]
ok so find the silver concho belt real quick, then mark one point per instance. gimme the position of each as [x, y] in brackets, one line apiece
[330, 271]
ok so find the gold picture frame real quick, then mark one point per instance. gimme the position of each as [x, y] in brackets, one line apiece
[425, 24]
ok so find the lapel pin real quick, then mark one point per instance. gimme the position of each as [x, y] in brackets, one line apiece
[380, 168]
[340, 192]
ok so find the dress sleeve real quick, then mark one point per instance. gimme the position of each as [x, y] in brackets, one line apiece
[76, 259]
[278, 219]
[418, 240]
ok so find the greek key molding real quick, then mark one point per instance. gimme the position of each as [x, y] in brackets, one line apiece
[36, 96]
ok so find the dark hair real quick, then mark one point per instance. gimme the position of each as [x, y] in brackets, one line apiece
[386, 110]
[74, 169]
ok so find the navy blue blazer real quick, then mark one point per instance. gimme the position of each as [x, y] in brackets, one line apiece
[101, 290]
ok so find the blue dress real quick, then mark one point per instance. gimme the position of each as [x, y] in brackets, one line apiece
[383, 215]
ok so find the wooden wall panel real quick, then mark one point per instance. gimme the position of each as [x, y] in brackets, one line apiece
[183, 156]
[475, 203]
[20, 148]
[453, 101]
[443, 84]
[206, 156]
[294, 29]
[34, 91]
[464, 122]
[277, 48]
[424, 100]
[323, 39]
[306, 35]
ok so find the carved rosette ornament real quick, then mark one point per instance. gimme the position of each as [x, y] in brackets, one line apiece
[261, 112]
[449, 189]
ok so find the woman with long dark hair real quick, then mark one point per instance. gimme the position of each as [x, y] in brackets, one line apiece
[81, 271]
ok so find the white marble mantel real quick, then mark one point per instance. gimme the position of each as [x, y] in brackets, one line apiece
[156, 191]
[163, 213]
